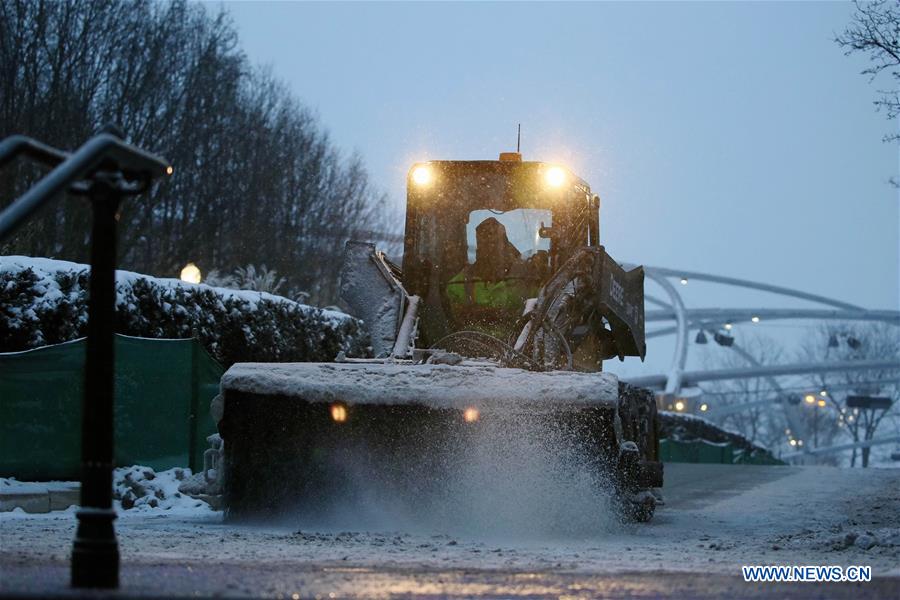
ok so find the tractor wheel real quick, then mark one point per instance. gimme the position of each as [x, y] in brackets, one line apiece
[639, 508]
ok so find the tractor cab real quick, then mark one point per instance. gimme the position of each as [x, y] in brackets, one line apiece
[482, 237]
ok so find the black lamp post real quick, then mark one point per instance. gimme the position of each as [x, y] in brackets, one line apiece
[95, 553]
[105, 169]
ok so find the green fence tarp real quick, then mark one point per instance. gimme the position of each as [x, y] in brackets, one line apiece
[702, 451]
[697, 451]
[163, 391]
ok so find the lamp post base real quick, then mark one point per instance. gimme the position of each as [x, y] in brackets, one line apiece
[95, 554]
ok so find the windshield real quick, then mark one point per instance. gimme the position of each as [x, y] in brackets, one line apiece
[522, 227]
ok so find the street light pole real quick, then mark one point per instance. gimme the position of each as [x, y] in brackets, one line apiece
[105, 169]
[95, 552]
[815, 425]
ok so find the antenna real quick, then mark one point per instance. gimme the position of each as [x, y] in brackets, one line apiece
[519, 139]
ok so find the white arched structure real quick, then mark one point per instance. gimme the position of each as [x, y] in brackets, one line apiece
[681, 321]
[688, 320]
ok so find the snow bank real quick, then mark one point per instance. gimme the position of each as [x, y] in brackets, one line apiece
[439, 386]
[136, 490]
[142, 490]
[44, 301]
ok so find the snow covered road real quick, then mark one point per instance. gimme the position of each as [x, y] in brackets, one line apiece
[717, 518]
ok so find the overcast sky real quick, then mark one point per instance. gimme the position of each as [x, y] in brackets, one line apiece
[734, 139]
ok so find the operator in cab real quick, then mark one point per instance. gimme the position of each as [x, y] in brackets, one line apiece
[490, 293]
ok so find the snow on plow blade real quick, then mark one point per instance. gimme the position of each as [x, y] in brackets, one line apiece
[332, 442]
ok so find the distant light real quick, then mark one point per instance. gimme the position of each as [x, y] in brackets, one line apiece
[823, 393]
[422, 175]
[704, 407]
[728, 326]
[850, 419]
[169, 170]
[821, 403]
[679, 405]
[555, 177]
[799, 442]
[809, 398]
[793, 442]
[684, 281]
[470, 415]
[190, 273]
[787, 432]
[755, 319]
[338, 413]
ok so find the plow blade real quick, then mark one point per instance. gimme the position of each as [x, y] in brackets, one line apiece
[352, 443]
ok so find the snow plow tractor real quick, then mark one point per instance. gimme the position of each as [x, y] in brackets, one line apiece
[487, 377]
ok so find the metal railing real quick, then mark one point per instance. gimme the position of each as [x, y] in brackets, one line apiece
[105, 170]
[692, 378]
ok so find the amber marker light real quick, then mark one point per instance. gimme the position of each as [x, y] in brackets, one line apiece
[338, 413]
[470, 415]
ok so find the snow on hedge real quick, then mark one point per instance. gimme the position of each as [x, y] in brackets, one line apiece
[44, 301]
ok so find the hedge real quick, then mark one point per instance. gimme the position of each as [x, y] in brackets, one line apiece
[44, 301]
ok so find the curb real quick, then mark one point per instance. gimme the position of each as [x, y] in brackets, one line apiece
[39, 497]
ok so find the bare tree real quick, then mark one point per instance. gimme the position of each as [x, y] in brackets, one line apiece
[875, 31]
[257, 179]
[855, 341]
[749, 406]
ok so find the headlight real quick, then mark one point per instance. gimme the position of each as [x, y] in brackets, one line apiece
[555, 177]
[422, 175]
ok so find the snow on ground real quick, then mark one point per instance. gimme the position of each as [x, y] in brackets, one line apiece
[717, 518]
[13, 485]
